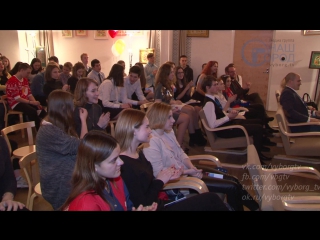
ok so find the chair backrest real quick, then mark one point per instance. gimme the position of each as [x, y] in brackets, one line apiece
[212, 136]
[283, 126]
[4, 102]
[264, 183]
[29, 164]
[26, 125]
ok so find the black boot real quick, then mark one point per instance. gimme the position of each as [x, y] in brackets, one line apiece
[200, 140]
[192, 139]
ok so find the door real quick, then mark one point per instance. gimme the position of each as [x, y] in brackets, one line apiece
[252, 51]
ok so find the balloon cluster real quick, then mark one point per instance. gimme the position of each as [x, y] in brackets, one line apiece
[119, 46]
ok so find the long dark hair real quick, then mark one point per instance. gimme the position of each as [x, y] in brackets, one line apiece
[95, 147]
[60, 111]
[116, 73]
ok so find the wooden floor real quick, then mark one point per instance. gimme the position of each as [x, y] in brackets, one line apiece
[293, 183]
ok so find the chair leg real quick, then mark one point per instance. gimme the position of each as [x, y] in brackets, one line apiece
[30, 207]
[21, 121]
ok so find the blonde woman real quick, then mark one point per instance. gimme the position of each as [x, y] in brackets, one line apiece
[133, 129]
[164, 151]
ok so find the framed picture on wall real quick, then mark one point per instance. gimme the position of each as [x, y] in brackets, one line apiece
[66, 33]
[197, 33]
[143, 54]
[81, 33]
[100, 34]
[315, 60]
[311, 32]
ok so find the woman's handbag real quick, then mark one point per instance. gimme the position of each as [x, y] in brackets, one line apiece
[307, 99]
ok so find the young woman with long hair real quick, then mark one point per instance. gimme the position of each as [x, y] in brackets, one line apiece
[133, 129]
[86, 96]
[96, 181]
[163, 151]
[57, 144]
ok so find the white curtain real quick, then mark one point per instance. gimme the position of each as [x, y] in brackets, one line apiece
[46, 41]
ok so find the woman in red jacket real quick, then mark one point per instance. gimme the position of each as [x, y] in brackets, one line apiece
[96, 181]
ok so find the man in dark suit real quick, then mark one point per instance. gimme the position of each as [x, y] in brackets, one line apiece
[294, 107]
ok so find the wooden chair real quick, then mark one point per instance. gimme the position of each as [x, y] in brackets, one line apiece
[30, 166]
[267, 189]
[9, 112]
[300, 147]
[195, 183]
[21, 151]
[112, 124]
[225, 145]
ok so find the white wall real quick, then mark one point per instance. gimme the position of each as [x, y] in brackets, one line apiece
[70, 49]
[218, 47]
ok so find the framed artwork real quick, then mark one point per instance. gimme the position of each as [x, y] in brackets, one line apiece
[311, 32]
[66, 33]
[315, 60]
[81, 33]
[100, 34]
[143, 54]
[197, 33]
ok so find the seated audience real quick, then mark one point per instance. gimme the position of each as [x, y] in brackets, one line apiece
[6, 62]
[66, 73]
[20, 97]
[52, 81]
[96, 181]
[36, 66]
[123, 64]
[242, 90]
[211, 68]
[294, 108]
[56, 60]
[85, 60]
[147, 92]
[202, 67]
[112, 94]
[15, 68]
[188, 71]
[150, 70]
[86, 96]
[4, 76]
[78, 71]
[96, 72]
[217, 118]
[164, 93]
[57, 144]
[133, 129]
[133, 88]
[36, 87]
[164, 151]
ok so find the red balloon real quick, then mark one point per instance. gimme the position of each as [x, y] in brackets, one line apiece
[113, 33]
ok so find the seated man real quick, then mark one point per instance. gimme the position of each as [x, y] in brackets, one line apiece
[242, 89]
[133, 88]
[294, 107]
[217, 118]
